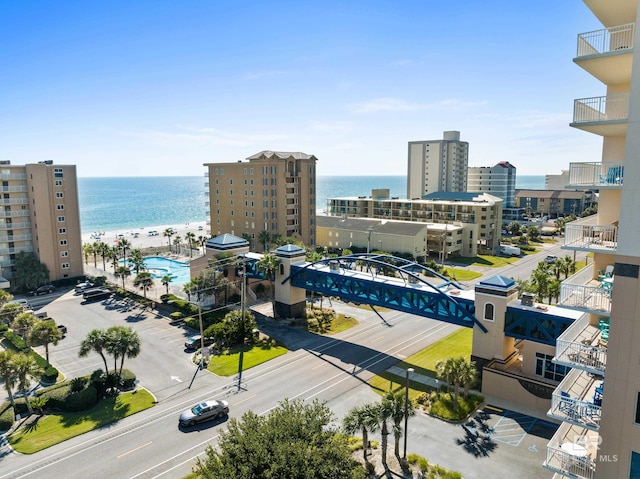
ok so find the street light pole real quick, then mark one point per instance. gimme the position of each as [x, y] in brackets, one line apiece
[242, 322]
[406, 410]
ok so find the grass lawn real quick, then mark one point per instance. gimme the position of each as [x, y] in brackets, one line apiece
[341, 323]
[459, 274]
[55, 428]
[424, 362]
[227, 364]
[486, 260]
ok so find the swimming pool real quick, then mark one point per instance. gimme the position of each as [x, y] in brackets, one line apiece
[159, 267]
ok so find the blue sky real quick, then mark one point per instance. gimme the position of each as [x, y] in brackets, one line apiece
[157, 88]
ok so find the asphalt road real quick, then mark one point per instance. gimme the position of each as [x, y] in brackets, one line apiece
[332, 369]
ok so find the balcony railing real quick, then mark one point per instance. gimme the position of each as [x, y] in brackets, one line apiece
[606, 40]
[14, 214]
[578, 347]
[15, 225]
[571, 451]
[14, 176]
[14, 201]
[7, 238]
[596, 175]
[15, 189]
[575, 293]
[575, 411]
[601, 109]
[564, 462]
[597, 238]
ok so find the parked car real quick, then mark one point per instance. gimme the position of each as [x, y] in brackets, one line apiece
[46, 289]
[204, 411]
[550, 259]
[96, 294]
[152, 233]
[509, 250]
[81, 287]
[193, 342]
[22, 302]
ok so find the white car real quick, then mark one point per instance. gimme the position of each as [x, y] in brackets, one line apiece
[81, 287]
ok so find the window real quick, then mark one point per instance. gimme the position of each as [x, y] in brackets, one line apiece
[251, 172]
[64, 265]
[245, 172]
[59, 194]
[60, 207]
[62, 231]
[635, 465]
[549, 370]
[63, 242]
[489, 312]
[64, 254]
[637, 421]
[61, 219]
[58, 173]
[58, 182]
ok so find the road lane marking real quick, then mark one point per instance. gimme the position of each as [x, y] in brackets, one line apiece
[377, 339]
[244, 400]
[134, 450]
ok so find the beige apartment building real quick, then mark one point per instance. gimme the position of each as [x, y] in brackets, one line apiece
[273, 191]
[41, 216]
[437, 165]
[473, 219]
[599, 399]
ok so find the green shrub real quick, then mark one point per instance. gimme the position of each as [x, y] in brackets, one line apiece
[78, 384]
[127, 379]
[50, 375]
[423, 464]
[81, 400]
[16, 341]
[412, 458]
[176, 315]
[7, 416]
[3, 327]
[57, 395]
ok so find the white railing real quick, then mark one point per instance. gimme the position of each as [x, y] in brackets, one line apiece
[583, 356]
[601, 108]
[596, 174]
[15, 189]
[13, 214]
[15, 225]
[26, 249]
[565, 463]
[7, 238]
[591, 237]
[14, 176]
[583, 413]
[575, 294]
[15, 201]
[606, 40]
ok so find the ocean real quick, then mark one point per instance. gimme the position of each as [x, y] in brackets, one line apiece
[110, 204]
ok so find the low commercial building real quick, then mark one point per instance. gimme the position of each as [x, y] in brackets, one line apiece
[553, 203]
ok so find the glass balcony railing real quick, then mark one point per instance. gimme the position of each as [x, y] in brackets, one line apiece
[586, 237]
[571, 452]
[596, 175]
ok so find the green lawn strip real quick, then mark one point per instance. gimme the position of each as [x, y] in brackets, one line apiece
[459, 274]
[341, 323]
[227, 364]
[55, 428]
[424, 362]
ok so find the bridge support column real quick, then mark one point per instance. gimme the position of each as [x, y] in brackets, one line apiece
[290, 301]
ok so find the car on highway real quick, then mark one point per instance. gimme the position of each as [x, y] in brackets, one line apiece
[81, 287]
[45, 289]
[550, 259]
[204, 411]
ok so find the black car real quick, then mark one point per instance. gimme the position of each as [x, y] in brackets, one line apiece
[46, 289]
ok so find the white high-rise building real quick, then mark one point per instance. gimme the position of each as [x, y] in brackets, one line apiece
[437, 165]
[498, 180]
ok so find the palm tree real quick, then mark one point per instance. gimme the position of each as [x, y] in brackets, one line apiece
[124, 244]
[144, 281]
[94, 250]
[396, 402]
[451, 370]
[165, 280]
[385, 409]
[554, 290]
[569, 266]
[5, 297]
[264, 237]
[191, 239]
[540, 279]
[168, 233]
[87, 250]
[103, 250]
[95, 341]
[268, 264]
[114, 255]
[23, 323]
[10, 311]
[26, 368]
[468, 375]
[45, 332]
[122, 272]
[136, 260]
[122, 341]
[361, 418]
[177, 242]
[202, 242]
[8, 373]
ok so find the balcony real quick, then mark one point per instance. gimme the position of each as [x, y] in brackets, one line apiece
[607, 54]
[571, 451]
[26, 249]
[602, 115]
[582, 293]
[16, 225]
[576, 400]
[586, 237]
[14, 176]
[15, 189]
[7, 238]
[14, 214]
[601, 176]
[14, 201]
[581, 347]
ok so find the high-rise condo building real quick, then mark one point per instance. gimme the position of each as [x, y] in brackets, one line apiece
[599, 399]
[437, 165]
[41, 216]
[273, 191]
[498, 180]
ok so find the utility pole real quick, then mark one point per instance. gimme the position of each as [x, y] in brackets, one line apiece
[369, 231]
[242, 312]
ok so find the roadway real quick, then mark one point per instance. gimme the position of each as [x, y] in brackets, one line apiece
[333, 369]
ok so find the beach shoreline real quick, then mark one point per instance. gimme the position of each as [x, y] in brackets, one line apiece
[140, 238]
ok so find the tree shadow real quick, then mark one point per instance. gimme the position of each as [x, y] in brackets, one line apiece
[475, 441]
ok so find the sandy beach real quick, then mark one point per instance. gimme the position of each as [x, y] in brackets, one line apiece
[140, 237]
